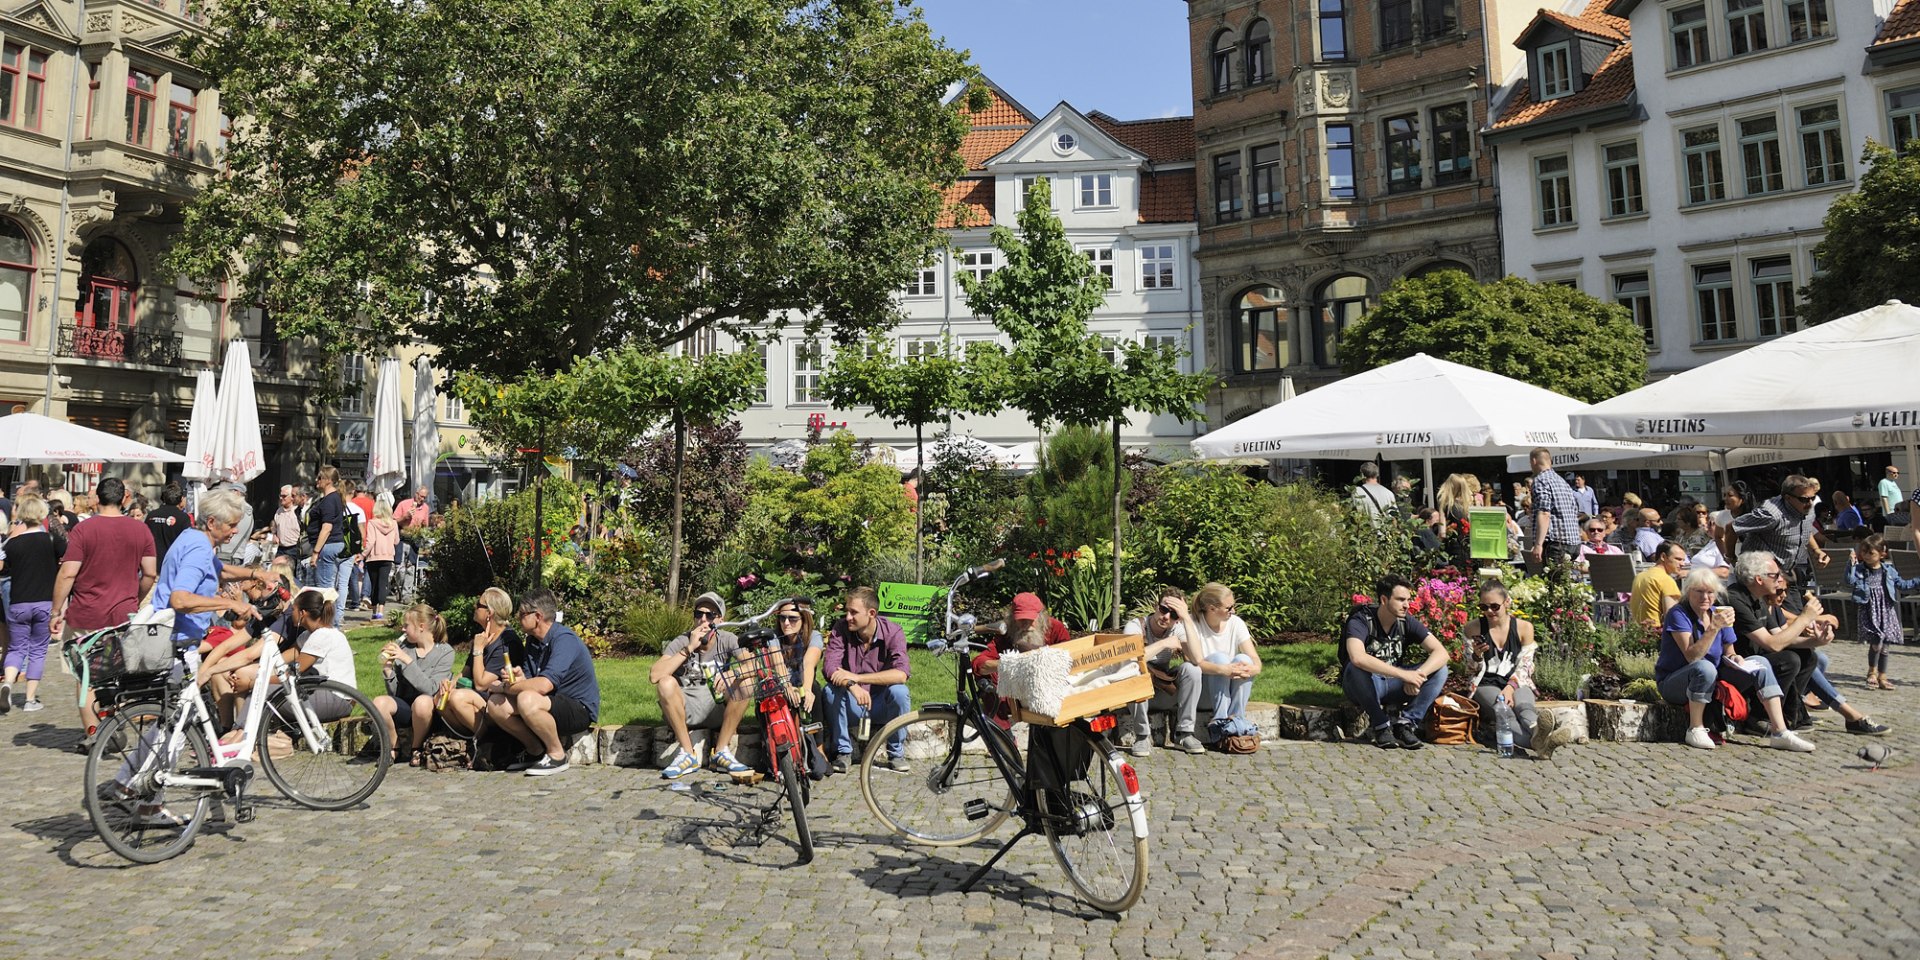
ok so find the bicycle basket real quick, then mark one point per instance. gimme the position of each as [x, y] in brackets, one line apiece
[112, 656]
[751, 676]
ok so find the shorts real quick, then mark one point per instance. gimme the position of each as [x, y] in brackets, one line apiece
[403, 709]
[328, 706]
[570, 716]
[702, 712]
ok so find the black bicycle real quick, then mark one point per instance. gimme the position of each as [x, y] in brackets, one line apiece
[1072, 787]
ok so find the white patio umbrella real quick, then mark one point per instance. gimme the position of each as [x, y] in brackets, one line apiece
[27, 438]
[1421, 406]
[940, 446]
[386, 456]
[238, 455]
[425, 449]
[206, 399]
[1674, 457]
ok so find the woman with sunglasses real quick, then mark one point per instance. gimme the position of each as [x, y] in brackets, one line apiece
[800, 649]
[1500, 646]
[1689, 525]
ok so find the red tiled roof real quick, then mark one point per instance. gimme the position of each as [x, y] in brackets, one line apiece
[999, 113]
[1596, 13]
[1612, 83]
[982, 145]
[1167, 196]
[1169, 140]
[1591, 27]
[969, 204]
[1902, 24]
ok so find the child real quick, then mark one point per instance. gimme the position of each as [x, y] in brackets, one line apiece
[414, 671]
[1876, 594]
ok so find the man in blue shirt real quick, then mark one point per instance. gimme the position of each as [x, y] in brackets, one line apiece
[557, 696]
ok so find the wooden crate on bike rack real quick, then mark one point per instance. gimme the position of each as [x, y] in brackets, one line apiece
[1089, 653]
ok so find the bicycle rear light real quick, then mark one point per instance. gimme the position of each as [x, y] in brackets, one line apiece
[1130, 778]
[1102, 723]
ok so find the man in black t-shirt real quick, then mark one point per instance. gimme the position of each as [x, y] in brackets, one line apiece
[1389, 659]
[1764, 628]
[167, 521]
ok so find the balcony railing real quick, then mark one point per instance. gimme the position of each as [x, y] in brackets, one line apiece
[119, 345]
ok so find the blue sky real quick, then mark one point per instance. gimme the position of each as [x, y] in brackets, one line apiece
[1127, 58]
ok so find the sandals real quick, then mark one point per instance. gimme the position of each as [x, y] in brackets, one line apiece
[419, 758]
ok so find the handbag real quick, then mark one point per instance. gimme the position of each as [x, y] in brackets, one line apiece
[1241, 743]
[1453, 720]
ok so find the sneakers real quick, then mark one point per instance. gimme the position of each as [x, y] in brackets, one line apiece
[1404, 732]
[1191, 744]
[838, 763]
[32, 706]
[6, 697]
[683, 764]
[1384, 739]
[524, 763]
[1697, 737]
[1867, 726]
[1140, 747]
[1788, 740]
[896, 764]
[723, 761]
[547, 767]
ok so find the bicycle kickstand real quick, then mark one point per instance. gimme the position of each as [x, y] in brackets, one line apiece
[1025, 832]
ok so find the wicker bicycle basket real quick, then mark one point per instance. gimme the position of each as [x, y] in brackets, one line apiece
[752, 675]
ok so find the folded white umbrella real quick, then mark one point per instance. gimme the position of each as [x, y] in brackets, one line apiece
[206, 400]
[387, 456]
[425, 449]
[238, 455]
[27, 438]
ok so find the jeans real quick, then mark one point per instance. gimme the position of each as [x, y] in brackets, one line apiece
[1821, 686]
[1183, 703]
[1524, 714]
[844, 714]
[27, 623]
[1375, 694]
[1227, 695]
[332, 571]
[1691, 683]
[356, 583]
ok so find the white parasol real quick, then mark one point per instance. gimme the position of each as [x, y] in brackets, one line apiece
[387, 457]
[426, 431]
[237, 453]
[206, 400]
[31, 438]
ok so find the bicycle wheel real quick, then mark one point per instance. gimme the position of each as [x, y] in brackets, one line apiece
[795, 784]
[338, 768]
[1089, 824]
[959, 797]
[135, 818]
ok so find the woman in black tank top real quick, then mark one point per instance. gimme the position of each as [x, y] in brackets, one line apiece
[1501, 646]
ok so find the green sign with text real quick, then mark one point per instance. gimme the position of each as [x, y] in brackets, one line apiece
[1489, 533]
[916, 607]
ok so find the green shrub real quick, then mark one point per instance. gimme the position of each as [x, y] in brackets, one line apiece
[651, 624]
[459, 615]
[491, 544]
[1558, 676]
[1643, 690]
[1635, 666]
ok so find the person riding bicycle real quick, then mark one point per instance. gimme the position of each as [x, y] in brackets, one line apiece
[680, 680]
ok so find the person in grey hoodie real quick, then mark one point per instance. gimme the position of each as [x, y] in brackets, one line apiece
[414, 670]
[680, 679]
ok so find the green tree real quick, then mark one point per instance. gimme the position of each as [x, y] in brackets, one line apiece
[1058, 371]
[919, 390]
[521, 182]
[1541, 333]
[1871, 253]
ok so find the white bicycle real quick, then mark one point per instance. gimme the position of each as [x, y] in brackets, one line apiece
[157, 766]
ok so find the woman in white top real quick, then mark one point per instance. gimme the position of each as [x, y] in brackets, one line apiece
[1231, 661]
[323, 650]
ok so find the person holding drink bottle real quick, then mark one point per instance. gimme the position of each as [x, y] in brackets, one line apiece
[1696, 652]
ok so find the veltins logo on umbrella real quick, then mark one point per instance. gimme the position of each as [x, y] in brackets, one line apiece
[1669, 425]
[1886, 419]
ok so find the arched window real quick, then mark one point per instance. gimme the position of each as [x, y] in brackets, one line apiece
[1333, 30]
[1338, 302]
[1223, 62]
[1259, 53]
[108, 286]
[1260, 332]
[16, 280]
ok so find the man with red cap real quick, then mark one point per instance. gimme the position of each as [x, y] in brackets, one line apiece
[1029, 627]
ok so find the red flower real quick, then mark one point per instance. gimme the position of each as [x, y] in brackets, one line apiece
[1032, 555]
[1041, 523]
[1050, 551]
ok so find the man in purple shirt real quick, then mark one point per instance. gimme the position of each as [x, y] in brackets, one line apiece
[866, 667]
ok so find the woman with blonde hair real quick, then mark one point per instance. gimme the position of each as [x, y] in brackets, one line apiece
[1231, 660]
[381, 540]
[495, 648]
[415, 672]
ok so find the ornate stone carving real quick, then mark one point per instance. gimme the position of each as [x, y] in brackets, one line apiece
[1336, 89]
[99, 22]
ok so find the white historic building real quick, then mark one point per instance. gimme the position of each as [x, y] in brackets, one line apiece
[1686, 176]
[1124, 191]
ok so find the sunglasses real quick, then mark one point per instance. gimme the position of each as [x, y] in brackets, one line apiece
[1596, 529]
[789, 618]
[705, 615]
[1490, 607]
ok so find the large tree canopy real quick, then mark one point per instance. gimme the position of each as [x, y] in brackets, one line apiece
[520, 182]
[1871, 253]
[1541, 333]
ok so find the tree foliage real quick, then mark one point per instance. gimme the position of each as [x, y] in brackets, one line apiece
[520, 182]
[1871, 253]
[1544, 334]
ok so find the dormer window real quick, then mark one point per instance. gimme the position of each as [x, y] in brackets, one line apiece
[1556, 70]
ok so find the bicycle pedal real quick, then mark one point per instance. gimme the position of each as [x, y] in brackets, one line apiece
[813, 729]
[243, 813]
[977, 809]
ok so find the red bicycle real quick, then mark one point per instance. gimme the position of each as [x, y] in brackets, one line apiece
[760, 672]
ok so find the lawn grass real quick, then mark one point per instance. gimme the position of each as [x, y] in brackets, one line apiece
[626, 695]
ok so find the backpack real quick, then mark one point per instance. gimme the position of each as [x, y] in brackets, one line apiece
[353, 542]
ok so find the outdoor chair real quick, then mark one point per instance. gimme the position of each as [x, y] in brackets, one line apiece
[1830, 585]
[1612, 577]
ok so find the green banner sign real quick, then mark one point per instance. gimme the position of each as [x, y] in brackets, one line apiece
[916, 607]
[1489, 533]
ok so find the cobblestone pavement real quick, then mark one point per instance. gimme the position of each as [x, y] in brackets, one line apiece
[1303, 850]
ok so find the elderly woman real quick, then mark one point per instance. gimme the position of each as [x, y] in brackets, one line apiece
[32, 559]
[190, 577]
[1696, 651]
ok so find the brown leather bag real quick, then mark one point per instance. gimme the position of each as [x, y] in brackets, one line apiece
[1452, 720]
[1241, 743]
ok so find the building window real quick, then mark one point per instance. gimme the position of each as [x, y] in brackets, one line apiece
[353, 384]
[1746, 26]
[1706, 170]
[1903, 117]
[1439, 18]
[1760, 155]
[1624, 195]
[1402, 137]
[1713, 300]
[180, 112]
[1635, 292]
[1223, 62]
[1773, 296]
[1266, 179]
[1333, 30]
[1808, 20]
[978, 263]
[141, 93]
[1396, 23]
[1688, 28]
[201, 318]
[1026, 189]
[1157, 266]
[1556, 70]
[1096, 190]
[915, 349]
[109, 286]
[1554, 183]
[925, 282]
[1339, 302]
[809, 362]
[1340, 173]
[1452, 143]
[760, 396]
[16, 280]
[1165, 341]
[1822, 153]
[456, 409]
[1259, 332]
[1227, 202]
[23, 85]
[1101, 257]
[1259, 53]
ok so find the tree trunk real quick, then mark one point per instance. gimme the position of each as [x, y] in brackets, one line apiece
[679, 470]
[539, 508]
[920, 468]
[1119, 512]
